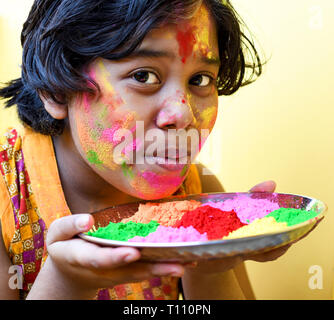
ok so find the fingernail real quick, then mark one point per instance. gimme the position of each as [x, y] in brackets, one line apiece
[177, 273]
[130, 257]
[168, 271]
[82, 223]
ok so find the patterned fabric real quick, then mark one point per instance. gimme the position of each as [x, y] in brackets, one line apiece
[24, 227]
[163, 288]
[27, 246]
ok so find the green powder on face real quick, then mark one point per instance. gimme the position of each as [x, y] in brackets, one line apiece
[125, 231]
[127, 171]
[93, 158]
[292, 216]
[184, 170]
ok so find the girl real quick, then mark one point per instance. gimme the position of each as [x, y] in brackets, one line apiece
[94, 75]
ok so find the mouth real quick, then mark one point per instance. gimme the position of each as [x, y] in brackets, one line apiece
[169, 163]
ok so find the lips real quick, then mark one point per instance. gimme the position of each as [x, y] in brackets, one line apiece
[168, 163]
[177, 154]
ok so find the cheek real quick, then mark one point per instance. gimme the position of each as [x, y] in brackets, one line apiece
[208, 117]
[98, 126]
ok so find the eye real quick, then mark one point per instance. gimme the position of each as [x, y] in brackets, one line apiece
[146, 77]
[201, 80]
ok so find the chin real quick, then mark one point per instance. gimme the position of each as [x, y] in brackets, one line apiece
[157, 194]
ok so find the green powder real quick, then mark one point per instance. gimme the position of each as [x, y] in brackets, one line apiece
[93, 158]
[127, 171]
[292, 216]
[125, 231]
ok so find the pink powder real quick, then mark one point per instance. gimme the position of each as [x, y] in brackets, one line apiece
[109, 134]
[157, 181]
[247, 209]
[169, 234]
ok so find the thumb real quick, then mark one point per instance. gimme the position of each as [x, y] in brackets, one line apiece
[266, 186]
[66, 228]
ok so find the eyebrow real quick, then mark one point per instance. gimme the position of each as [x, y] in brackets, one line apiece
[149, 53]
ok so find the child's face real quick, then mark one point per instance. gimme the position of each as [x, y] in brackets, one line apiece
[168, 84]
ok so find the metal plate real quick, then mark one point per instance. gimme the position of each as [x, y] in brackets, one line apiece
[214, 249]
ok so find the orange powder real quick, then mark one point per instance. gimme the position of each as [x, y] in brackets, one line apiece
[165, 214]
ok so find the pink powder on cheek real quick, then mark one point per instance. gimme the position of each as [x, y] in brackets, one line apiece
[247, 209]
[132, 147]
[108, 134]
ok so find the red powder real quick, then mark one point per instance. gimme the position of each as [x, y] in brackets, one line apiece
[186, 42]
[216, 223]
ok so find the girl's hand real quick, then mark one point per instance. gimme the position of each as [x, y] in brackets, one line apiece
[266, 186]
[86, 267]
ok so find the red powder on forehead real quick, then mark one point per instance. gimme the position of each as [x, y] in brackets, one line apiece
[216, 223]
[186, 40]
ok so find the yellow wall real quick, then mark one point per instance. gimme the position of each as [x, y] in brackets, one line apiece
[278, 128]
[281, 128]
[12, 15]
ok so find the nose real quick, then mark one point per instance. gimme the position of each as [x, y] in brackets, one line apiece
[175, 113]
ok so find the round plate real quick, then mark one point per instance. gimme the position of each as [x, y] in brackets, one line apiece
[214, 249]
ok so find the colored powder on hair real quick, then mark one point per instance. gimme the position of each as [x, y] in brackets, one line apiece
[165, 213]
[247, 209]
[292, 216]
[169, 234]
[215, 222]
[124, 231]
[257, 227]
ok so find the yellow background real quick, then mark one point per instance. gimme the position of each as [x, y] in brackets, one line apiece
[279, 128]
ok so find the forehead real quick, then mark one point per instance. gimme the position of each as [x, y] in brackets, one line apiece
[199, 32]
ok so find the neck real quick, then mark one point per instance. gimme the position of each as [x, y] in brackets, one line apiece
[85, 191]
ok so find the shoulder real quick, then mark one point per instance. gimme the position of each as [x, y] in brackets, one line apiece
[209, 182]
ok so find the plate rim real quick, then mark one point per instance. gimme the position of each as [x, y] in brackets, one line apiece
[190, 244]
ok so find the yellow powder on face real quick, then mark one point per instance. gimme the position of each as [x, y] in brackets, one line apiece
[165, 214]
[204, 34]
[103, 75]
[208, 117]
[257, 227]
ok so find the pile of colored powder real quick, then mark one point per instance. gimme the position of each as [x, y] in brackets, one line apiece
[257, 227]
[247, 209]
[216, 223]
[124, 231]
[292, 216]
[170, 234]
[165, 213]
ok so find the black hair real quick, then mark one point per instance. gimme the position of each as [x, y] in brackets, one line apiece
[61, 37]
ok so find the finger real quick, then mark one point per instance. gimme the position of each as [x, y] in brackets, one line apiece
[270, 255]
[139, 271]
[266, 186]
[82, 253]
[66, 228]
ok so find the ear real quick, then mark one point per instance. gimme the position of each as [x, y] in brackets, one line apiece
[56, 110]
